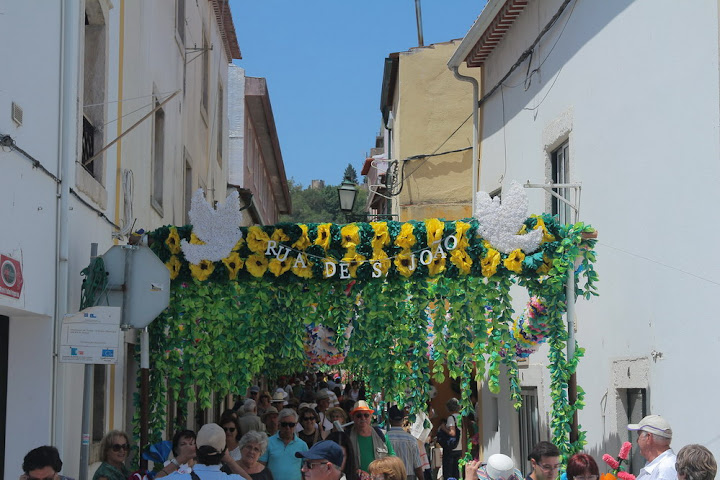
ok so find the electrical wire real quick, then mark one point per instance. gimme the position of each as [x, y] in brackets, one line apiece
[9, 142]
[127, 99]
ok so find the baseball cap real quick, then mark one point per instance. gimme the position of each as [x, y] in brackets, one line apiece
[254, 388]
[324, 450]
[654, 424]
[500, 467]
[212, 435]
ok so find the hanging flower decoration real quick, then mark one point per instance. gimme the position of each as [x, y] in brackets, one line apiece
[202, 270]
[234, 263]
[173, 241]
[302, 268]
[256, 265]
[350, 235]
[257, 240]
[278, 267]
[514, 261]
[174, 266]
[490, 262]
[304, 241]
[406, 239]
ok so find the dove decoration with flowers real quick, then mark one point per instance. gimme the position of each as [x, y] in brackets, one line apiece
[218, 230]
[499, 223]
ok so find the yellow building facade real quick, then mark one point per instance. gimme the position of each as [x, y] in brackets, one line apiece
[427, 111]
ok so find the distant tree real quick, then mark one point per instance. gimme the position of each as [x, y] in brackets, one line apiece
[321, 205]
[350, 174]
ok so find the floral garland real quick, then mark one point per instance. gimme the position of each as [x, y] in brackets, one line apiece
[361, 251]
[255, 311]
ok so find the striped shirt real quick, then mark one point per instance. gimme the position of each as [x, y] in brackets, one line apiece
[406, 447]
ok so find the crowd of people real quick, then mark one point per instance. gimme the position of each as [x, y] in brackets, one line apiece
[329, 433]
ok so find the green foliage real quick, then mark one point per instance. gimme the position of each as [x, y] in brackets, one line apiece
[320, 205]
[350, 173]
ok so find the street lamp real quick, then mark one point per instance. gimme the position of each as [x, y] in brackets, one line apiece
[347, 191]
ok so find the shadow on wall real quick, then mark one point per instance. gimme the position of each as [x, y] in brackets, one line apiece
[586, 21]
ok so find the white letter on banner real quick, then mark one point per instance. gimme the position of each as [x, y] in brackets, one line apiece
[454, 245]
[413, 263]
[271, 248]
[329, 269]
[301, 260]
[440, 252]
[344, 272]
[377, 270]
[426, 257]
[280, 250]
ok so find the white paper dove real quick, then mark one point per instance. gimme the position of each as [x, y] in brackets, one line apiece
[219, 229]
[499, 223]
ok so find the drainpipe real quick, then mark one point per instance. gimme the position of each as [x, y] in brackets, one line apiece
[476, 95]
[67, 150]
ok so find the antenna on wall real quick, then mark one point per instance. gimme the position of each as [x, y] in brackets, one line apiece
[418, 16]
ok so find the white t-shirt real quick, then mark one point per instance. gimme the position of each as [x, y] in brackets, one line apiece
[452, 421]
[662, 468]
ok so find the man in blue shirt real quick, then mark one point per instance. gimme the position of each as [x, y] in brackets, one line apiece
[280, 454]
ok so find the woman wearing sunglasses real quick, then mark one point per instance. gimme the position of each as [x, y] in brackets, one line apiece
[115, 447]
[230, 424]
[310, 432]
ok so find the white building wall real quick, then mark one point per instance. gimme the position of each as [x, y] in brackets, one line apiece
[634, 87]
[236, 114]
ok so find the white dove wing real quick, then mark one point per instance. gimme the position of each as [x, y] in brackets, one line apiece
[218, 229]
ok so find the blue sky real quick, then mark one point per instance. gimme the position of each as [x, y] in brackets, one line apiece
[323, 61]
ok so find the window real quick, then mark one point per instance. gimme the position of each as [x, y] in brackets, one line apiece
[220, 124]
[634, 401]
[94, 88]
[560, 159]
[158, 159]
[98, 399]
[180, 22]
[188, 187]
[205, 72]
[528, 421]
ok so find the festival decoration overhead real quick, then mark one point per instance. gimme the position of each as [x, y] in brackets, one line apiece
[215, 232]
[269, 298]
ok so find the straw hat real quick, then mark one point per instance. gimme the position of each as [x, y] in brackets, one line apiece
[361, 406]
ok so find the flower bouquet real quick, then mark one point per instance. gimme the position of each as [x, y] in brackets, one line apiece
[616, 464]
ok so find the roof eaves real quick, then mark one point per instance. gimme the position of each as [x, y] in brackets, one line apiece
[227, 29]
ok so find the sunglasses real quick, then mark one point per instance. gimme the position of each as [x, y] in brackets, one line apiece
[117, 447]
[308, 464]
[362, 415]
[288, 424]
[229, 429]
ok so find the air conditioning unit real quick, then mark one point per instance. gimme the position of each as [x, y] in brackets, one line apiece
[16, 114]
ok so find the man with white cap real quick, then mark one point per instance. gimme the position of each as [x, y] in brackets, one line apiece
[498, 467]
[211, 454]
[654, 436]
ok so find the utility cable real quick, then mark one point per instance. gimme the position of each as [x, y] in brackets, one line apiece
[7, 141]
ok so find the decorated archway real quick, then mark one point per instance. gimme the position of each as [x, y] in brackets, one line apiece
[255, 300]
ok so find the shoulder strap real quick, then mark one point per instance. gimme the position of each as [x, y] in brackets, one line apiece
[194, 475]
[380, 433]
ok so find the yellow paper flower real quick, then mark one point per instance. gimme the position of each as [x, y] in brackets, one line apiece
[203, 270]
[304, 241]
[327, 260]
[173, 241]
[547, 236]
[279, 236]
[256, 265]
[195, 240]
[174, 266]
[354, 260]
[514, 261]
[239, 244]
[278, 267]
[323, 235]
[257, 240]
[460, 258]
[546, 266]
[300, 271]
[435, 230]
[406, 239]
[382, 236]
[462, 229]
[436, 266]
[350, 235]
[490, 262]
[379, 256]
[403, 263]
[234, 263]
